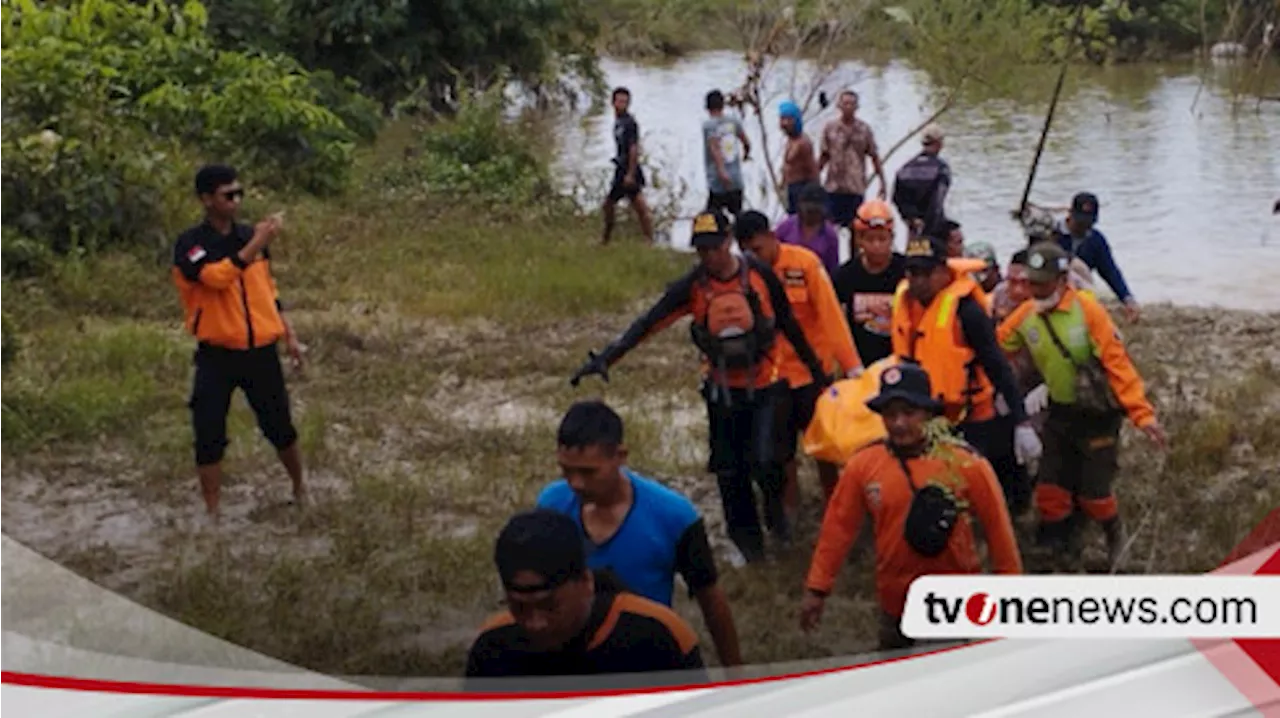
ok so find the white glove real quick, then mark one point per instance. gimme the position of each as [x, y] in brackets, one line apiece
[1026, 445]
[1036, 400]
[1002, 406]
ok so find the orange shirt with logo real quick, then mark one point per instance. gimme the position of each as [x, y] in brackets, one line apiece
[873, 483]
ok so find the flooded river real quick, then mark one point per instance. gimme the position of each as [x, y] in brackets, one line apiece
[1186, 196]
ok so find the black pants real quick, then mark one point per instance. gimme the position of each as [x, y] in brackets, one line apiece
[730, 201]
[794, 412]
[744, 453]
[994, 440]
[219, 372]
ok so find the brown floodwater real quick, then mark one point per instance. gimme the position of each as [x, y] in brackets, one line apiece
[1186, 185]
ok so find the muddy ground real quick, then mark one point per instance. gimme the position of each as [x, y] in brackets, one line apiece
[422, 437]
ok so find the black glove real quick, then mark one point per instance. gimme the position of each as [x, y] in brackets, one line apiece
[595, 364]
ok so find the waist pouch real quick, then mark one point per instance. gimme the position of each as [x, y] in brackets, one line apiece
[931, 518]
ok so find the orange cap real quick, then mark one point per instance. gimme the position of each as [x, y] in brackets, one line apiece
[873, 214]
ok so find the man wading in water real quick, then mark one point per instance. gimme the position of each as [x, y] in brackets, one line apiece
[738, 307]
[847, 142]
[628, 178]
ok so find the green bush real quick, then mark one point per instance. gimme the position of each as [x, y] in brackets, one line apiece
[103, 98]
[10, 343]
[478, 154]
[23, 256]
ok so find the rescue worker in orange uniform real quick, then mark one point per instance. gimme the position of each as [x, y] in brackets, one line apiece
[738, 308]
[940, 321]
[813, 301]
[222, 270]
[1068, 333]
[922, 496]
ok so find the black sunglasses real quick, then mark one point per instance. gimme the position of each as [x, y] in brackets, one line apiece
[234, 194]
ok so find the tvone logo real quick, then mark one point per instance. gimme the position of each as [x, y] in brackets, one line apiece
[980, 609]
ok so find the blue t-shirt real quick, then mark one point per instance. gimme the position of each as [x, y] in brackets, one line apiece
[662, 535]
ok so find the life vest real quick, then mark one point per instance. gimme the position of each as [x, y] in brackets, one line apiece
[937, 344]
[961, 266]
[732, 331]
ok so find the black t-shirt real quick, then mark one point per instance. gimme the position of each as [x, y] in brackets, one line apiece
[625, 134]
[867, 300]
[625, 634]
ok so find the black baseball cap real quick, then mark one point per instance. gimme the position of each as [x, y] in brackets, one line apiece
[906, 382]
[1085, 206]
[925, 252]
[710, 229]
[544, 542]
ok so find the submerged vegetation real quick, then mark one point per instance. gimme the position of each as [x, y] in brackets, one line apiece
[444, 290]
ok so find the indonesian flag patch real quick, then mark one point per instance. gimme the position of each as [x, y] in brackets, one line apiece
[196, 254]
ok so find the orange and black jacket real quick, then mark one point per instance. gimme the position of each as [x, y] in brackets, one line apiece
[625, 633]
[227, 303]
[683, 297]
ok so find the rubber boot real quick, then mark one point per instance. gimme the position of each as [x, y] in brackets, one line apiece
[1116, 538]
[1051, 542]
[775, 516]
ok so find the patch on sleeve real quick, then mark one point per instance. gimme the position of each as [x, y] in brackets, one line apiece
[196, 254]
[793, 276]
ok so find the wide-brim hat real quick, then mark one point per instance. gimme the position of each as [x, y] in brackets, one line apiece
[908, 383]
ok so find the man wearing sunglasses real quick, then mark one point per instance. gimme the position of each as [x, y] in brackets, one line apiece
[223, 273]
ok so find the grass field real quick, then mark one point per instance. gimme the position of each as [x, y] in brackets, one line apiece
[440, 340]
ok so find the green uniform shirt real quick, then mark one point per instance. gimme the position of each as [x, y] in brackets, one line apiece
[1059, 374]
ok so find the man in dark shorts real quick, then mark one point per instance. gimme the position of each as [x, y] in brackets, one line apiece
[563, 619]
[628, 177]
[724, 148]
[222, 270]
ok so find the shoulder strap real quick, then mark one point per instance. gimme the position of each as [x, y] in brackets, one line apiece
[902, 461]
[1056, 341]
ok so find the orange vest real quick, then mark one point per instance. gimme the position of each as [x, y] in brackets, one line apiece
[936, 342]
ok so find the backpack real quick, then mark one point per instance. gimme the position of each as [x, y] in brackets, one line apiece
[931, 518]
[735, 333]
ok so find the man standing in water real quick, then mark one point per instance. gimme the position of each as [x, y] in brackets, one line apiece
[738, 307]
[223, 273]
[1080, 240]
[724, 148]
[628, 177]
[921, 186]
[799, 166]
[847, 142]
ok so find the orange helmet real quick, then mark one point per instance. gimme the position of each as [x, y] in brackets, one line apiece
[873, 214]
